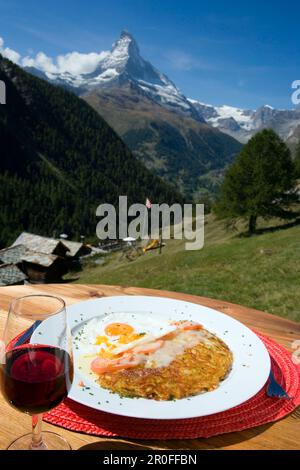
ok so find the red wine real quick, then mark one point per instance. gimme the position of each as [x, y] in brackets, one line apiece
[36, 378]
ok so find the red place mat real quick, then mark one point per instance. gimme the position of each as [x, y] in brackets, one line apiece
[257, 411]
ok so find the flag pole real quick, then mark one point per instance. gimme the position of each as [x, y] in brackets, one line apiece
[148, 206]
[160, 243]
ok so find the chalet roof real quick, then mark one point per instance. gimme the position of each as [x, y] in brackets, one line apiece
[37, 243]
[41, 259]
[74, 247]
[12, 254]
[10, 274]
[18, 253]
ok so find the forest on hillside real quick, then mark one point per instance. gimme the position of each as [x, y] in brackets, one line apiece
[59, 160]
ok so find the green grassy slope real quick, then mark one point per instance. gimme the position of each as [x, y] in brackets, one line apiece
[229, 267]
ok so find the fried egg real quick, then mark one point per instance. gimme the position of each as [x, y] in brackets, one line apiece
[116, 333]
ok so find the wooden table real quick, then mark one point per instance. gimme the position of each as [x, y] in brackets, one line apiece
[281, 435]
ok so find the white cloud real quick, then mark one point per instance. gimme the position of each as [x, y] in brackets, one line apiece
[41, 61]
[10, 54]
[75, 63]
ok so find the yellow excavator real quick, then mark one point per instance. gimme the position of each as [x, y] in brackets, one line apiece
[152, 245]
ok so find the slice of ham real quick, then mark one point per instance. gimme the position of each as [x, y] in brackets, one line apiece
[101, 365]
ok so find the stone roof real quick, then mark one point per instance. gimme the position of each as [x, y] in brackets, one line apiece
[37, 243]
[39, 258]
[12, 254]
[10, 274]
[18, 253]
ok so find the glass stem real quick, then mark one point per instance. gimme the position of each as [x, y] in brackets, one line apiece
[37, 441]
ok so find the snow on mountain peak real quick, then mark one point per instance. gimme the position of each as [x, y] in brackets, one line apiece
[242, 124]
[126, 43]
[125, 47]
[125, 58]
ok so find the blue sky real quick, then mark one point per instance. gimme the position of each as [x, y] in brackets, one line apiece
[223, 52]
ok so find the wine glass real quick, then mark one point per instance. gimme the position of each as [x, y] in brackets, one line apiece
[36, 369]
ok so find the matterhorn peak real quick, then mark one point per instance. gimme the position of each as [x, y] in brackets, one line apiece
[126, 45]
[125, 34]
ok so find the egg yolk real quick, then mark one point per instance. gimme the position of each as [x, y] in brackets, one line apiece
[125, 339]
[118, 329]
[102, 340]
[107, 353]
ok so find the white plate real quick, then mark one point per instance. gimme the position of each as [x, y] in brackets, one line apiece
[250, 371]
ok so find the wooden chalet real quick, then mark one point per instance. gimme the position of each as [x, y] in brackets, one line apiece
[41, 259]
[37, 267]
[43, 268]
